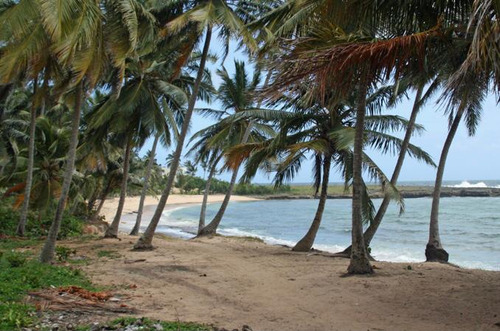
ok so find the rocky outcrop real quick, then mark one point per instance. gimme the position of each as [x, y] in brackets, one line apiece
[407, 192]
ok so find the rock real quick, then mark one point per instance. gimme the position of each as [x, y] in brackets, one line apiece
[158, 327]
[90, 229]
[246, 328]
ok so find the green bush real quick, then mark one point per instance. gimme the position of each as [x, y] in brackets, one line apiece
[15, 259]
[71, 226]
[196, 185]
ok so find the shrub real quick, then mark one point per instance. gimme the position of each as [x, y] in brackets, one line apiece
[36, 226]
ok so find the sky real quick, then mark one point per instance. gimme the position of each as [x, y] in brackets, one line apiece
[470, 158]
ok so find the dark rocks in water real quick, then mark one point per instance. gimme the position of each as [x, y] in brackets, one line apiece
[406, 192]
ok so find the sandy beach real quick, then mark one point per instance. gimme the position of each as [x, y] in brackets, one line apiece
[230, 282]
[174, 201]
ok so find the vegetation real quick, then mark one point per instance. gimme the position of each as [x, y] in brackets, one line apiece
[20, 272]
[84, 84]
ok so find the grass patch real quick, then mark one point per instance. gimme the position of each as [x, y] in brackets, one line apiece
[21, 273]
[16, 243]
[150, 325]
[108, 254]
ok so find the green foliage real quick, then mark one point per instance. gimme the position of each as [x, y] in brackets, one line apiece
[196, 185]
[36, 226]
[19, 274]
[147, 324]
[108, 254]
[16, 260]
[15, 315]
[63, 253]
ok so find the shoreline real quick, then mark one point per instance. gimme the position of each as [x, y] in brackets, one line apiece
[175, 201]
[231, 281]
[181, 231]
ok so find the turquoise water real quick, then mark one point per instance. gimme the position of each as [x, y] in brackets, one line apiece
[470, 227]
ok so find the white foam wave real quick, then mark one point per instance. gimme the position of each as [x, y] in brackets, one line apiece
[178, 233]
[466, 184]
[235, 232]
[397, 255]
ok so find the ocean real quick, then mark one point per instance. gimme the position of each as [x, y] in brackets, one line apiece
[470, 226]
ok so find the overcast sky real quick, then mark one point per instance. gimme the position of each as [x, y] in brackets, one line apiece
[470, 158]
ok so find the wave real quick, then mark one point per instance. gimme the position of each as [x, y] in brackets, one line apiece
[466, 184]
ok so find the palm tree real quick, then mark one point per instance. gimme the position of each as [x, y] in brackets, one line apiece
[420, 99]
[326, 131]
[204, 15]
[145, 106]
[147, 175]
[236, 94]
[82, 49]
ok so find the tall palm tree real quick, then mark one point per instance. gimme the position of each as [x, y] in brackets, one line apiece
[147, 175]
[146, 105]
[204, 15]
[85, 35]
[326, 131]
[236, 94]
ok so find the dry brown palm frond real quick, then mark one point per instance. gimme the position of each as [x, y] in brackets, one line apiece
[338, 66]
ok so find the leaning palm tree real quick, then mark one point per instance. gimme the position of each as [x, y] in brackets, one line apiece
[23, 54]
[204, 15]
[144, 107]
[236, 94]
[147, 175]
[84, 35]
[327, 133]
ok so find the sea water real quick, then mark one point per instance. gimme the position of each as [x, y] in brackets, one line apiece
[469, 227]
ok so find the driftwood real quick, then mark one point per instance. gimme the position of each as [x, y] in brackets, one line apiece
[76, 299]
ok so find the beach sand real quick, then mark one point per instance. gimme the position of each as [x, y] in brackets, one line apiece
[230, 282]
[129, 214]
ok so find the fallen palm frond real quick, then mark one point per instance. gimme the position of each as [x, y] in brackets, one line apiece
[74, 298]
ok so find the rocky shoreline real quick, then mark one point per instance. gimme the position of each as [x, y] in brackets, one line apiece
[406, 192]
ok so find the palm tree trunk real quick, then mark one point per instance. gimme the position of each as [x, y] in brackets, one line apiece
[359, 264]
[47, 254]
[145, 241]
[135, 230]
[434, 250]
[305, 244]
[203, 211]
[112, 231]
[211, 228]
[21, 226]
[372, 229]
[101, 202]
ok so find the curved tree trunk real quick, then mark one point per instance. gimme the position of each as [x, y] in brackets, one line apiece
[434, 251]
[359, 264]
[104, 195]
[145, 241]
[112, 231]
[203, 211]
[305, 244]
[21, 226]
[212, 227]
[135, 230]
[372, 229]
[47, 254]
